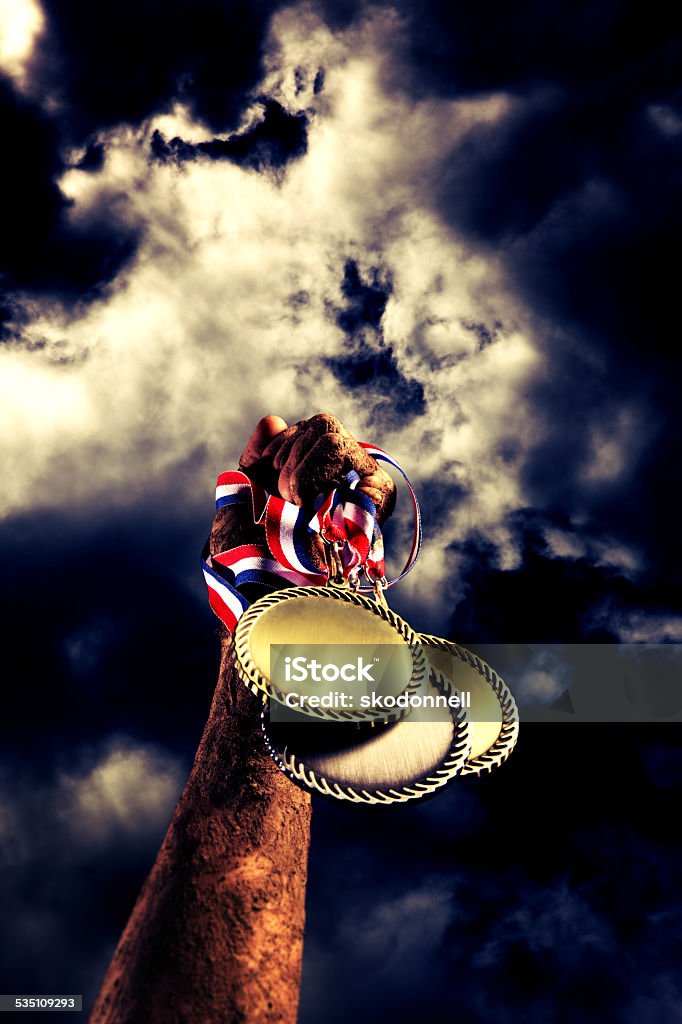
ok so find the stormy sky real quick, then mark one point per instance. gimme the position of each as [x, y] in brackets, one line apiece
[457, 228]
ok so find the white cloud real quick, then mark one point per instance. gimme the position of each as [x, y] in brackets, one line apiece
[647, 627]
[400, 928]
[21, 21]
[615, 445]
[605, 551]
[199, 337]
[565, 543]
[666, 119]
[123, 794]
[113, 809]
[544, 679]
[129, 792]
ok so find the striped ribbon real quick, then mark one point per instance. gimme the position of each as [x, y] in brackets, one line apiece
[346, 517]
[381, 456]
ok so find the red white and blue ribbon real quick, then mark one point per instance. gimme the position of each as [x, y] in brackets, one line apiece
[346, 517]
[381, 456]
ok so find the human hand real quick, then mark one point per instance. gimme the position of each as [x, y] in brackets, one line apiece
[299, 462]
[311, 457]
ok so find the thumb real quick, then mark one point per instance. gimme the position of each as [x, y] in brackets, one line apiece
[268, 428]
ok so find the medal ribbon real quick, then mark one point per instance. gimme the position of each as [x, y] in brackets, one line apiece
[346, 517]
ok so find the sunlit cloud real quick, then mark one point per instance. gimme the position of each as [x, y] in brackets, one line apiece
[21, 21]
[128, 793]
[228, 310]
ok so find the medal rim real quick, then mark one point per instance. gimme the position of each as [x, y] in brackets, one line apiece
[509, 729]
[262, 687]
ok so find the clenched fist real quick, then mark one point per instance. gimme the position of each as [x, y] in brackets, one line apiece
[298, 463]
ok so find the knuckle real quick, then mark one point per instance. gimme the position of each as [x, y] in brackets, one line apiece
[326, 422]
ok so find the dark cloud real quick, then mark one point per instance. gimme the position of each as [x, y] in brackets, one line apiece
[569, 191]
[375, 371]
[107, 65]
[547, 598]
[523, 894]
[541, 151]
[457, 50]
[576, 188]
[108, 660]
[663, 764]
[438, 497]
[365, 301]
[579, 190]
[274, 141]
[100, 626]
[318, 84]
[369, 366]
[93, 158]
[548, 891]
[60, 925]
[117, 64]
[43, 249]
[485, 335]
[575, 401]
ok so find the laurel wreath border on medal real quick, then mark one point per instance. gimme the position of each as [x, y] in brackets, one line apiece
[509, 730]
[450, 768]
[262, 687]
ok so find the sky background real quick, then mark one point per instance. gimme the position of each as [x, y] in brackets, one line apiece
[457, 228]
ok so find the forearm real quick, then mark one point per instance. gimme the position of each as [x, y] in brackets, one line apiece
[217, 932]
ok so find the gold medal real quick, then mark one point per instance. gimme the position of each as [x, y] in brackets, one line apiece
[493, 714]
[384, 764]
[416, 756]
[358, 705]
[337, 618]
